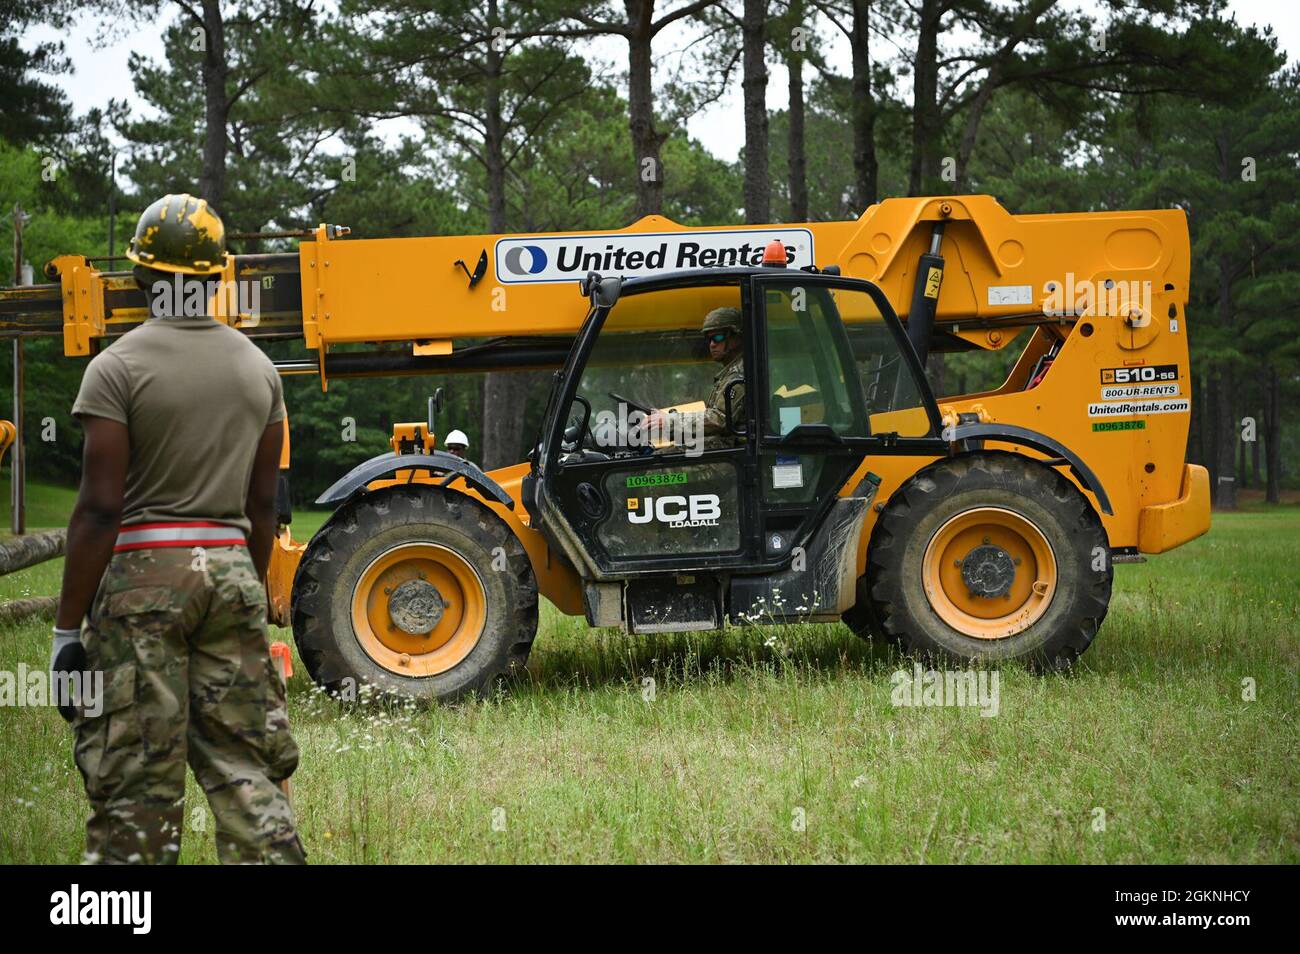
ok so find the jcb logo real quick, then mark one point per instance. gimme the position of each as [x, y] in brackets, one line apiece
[697, 510]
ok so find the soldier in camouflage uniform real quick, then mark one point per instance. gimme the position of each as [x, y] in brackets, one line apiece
[167, 548]
[722, 334]
[721, 331]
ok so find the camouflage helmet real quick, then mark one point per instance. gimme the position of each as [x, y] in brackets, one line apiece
[720, 319]
[179, 233]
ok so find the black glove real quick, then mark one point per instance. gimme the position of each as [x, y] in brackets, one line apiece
[67, 655]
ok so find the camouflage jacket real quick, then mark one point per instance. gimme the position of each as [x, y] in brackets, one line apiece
[715, 414]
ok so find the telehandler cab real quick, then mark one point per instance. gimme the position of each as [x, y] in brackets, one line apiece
[985, 527]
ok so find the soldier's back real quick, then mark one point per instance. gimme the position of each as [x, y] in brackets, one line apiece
[179, 623]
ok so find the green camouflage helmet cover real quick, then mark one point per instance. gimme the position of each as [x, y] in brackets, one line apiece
[180, 233]
[720, 319]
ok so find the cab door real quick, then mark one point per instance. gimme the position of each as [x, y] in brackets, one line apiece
[622, 503]
[837, 382]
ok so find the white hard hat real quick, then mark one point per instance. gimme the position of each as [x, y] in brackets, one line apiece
[457, 437]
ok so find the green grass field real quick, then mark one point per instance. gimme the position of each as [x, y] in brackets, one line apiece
[751, 730]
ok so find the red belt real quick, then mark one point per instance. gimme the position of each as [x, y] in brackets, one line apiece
[192, 533]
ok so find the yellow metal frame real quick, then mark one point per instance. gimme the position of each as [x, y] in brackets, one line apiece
[1164, 526]
[83, 303]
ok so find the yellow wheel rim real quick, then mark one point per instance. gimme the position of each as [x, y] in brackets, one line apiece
[419, 609]
[989, 573]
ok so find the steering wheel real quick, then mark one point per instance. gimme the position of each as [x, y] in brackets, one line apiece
[876, 401]
[634, 405]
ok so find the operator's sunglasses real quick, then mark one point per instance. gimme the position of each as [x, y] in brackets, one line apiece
[718, 337]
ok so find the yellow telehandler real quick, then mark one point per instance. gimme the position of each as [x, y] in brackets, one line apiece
[818, 479]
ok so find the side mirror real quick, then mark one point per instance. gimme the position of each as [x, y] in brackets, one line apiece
[726, 409]
[435, 408]
[574, 433]
[603, 292]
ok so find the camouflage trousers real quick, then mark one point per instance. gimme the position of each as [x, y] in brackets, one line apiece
[180, 635]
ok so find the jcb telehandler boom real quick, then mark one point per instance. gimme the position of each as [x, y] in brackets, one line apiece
[817, 479]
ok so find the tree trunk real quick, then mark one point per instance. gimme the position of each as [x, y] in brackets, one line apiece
[926, 121]
[1196, 428]
[494, 132]
[19, 553]
[966, 147]
[503, 392]
[971, 131]
[641, 108]
[758, 187]
[212, 181]
[796, 149]
[1273, 436]
[505, 395]
[1243, 476]
[1225, 426]
[1225, 488]
[866, 169]
[15, 611]
[1209, 426]
[937, 371]
[1256, 470]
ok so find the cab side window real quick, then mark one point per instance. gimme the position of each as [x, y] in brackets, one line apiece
[807, 354]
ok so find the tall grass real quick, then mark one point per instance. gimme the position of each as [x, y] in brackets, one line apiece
[1147, 752]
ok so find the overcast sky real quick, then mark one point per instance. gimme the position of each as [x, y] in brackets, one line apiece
[99, 51]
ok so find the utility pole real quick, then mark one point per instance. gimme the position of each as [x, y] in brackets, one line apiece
[112, 202]
[19, 459]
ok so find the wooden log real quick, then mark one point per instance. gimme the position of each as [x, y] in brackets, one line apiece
[18, 553]
[37, 607]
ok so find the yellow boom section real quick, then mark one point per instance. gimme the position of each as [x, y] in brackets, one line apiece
[376, 290]
[999, 267]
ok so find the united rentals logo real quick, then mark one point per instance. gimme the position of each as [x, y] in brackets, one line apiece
[525, 260]
[561, 258]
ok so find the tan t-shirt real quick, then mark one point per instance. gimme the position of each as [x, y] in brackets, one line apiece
[196, 396]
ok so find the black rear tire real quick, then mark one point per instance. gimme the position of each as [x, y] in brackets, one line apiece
[1032, 492]
[861, 618]
[369, 526]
